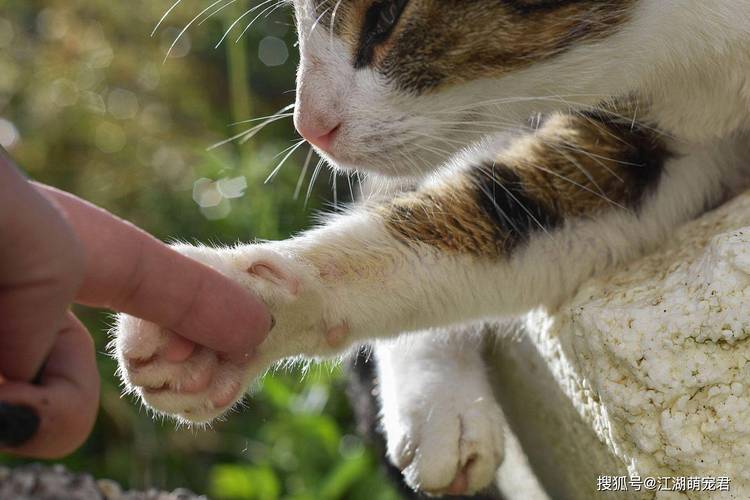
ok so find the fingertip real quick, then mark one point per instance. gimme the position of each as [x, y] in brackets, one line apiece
[245, 322]
[260, 321]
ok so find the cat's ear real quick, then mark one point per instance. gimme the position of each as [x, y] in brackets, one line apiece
[276, 274]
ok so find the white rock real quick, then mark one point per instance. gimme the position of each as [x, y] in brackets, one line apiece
[653, 358]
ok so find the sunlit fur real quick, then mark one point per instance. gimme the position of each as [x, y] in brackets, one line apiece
[680, 58]
[545, 141]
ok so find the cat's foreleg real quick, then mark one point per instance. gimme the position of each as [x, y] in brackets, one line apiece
[442, 425]
[498, 234]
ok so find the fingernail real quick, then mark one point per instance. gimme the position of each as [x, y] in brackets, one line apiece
[18, 424]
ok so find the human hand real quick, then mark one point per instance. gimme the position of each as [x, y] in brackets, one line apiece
[58, 249]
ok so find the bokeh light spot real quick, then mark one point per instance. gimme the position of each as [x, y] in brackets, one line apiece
[181, 48]
[9, 135]
[64, 92]
[149, 77]
[122, 104]
[52, 24]
[110, 137]
[220, 211]
[206, 193]
[93, 102]
[233, 187]
[273, 51]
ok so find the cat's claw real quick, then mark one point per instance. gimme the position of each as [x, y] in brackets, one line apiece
[448, 448]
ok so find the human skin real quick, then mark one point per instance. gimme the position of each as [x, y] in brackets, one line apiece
[58, 250]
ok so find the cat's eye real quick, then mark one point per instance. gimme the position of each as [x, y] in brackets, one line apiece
[388, 15]
[383, 15]
[379, 21]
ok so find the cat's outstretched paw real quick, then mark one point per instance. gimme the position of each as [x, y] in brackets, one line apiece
[176, 377]
[449, 444]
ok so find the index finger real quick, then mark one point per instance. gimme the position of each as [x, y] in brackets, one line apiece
[129, 270]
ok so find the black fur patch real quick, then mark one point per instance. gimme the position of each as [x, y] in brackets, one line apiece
[502, 197]
[644, 154]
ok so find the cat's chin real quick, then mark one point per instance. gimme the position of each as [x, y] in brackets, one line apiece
[381, 168]
[394, 161]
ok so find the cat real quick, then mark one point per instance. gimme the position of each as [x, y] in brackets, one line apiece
[536, 143]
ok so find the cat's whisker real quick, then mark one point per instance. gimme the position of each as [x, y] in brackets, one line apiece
[359, 181]
[245, 135]
[498, 208]
[275, 115]
[289, 152]
[317, 21]
[577, 109]
[577, 184]
[408, 159]
[255, 130]
[596, 158]
[314, 177]
[349, 182]
[333, 21]
[487, 123]
[441, 153]
[439, 140]
[216, 11]
[281, 113]
[512, 100]
[303, 174]
[572, 160]
[573, 147]
[334, 190]
[237, 21]
[165, 15]
[267, 11]
[187, 27]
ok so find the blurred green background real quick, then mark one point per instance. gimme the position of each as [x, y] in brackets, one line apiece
[88, 104]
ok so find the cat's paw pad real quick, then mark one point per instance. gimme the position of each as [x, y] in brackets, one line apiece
[448, 450]
[175, 376]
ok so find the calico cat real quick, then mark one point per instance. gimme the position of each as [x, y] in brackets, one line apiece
[539, 142]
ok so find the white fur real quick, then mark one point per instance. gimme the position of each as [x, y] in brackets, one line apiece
[689, 59]
[438, 409]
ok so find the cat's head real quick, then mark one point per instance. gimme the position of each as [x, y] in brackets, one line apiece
[398, 86]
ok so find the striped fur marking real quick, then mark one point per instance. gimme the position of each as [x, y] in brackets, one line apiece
[433, 43]
[572, 166]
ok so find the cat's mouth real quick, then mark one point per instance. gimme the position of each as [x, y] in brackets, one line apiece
[398, 160]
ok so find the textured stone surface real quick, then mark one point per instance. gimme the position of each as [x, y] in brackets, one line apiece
[38, 482]
[653, 359]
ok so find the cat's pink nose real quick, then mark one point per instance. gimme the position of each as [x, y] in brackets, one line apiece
[318, 133]
[321, 138]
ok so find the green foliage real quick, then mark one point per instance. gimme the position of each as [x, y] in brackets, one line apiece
[87, 105]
